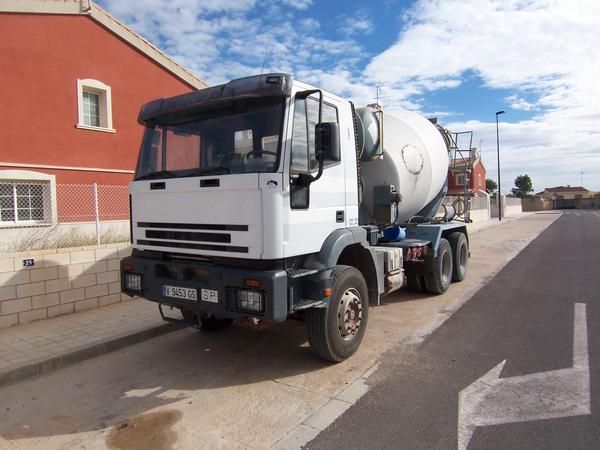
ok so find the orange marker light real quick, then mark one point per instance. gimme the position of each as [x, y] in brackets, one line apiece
[252, 283]
[327, 292]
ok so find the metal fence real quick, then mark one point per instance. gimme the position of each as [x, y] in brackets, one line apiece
[91, 203]
[35, 216]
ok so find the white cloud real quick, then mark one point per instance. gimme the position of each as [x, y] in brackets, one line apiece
[520, 103]
[542, 148]
[225, 40]
[358, 22]
[544, 51]
[298, 4]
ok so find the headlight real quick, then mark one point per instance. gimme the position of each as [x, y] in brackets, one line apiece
[133, 282]
[250, 300]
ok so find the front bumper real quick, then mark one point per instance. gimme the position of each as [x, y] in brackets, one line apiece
[226, 281]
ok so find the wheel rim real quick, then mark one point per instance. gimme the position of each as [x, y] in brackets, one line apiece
[446, 267]
[350, 312]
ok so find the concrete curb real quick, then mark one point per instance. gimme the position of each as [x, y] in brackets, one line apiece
[81, 354]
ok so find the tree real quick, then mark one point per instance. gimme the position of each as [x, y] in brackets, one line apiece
[490, 186]
[523, 186]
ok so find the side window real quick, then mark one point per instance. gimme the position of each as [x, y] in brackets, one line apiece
[300, 138]
[306, 116]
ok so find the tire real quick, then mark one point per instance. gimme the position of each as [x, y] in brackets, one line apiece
[415, 282]
[460, 255]
[439, 281]
[335, 332]
[213, 324]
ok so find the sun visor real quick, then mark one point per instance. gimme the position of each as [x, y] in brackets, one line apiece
[267, 85]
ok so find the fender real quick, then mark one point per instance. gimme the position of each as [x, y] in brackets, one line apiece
[352, 246]
[333, 247]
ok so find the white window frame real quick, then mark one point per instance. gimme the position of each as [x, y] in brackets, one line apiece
[460, 179]
[28, 177]
[104, 93]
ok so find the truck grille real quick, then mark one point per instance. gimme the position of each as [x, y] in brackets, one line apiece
[193, 226]
[187, 236]
[210, 241]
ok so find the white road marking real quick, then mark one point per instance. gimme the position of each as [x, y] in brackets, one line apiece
[492, 400]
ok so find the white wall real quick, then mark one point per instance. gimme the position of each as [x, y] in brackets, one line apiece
[59, 282]
[61, 235]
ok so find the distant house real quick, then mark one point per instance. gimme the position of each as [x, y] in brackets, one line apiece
[565, 197]
[73, 80]
[461, 180]
[566, 193]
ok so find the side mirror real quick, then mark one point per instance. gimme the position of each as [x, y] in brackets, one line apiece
[327, 145]
[300, 196]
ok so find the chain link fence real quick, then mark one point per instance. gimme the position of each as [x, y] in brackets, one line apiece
[34, 216]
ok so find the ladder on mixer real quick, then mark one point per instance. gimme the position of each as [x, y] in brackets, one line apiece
[463, 157]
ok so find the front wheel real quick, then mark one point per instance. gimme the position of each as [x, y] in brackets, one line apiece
[335, 332]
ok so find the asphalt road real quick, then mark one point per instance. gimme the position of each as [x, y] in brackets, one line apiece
[541, 315]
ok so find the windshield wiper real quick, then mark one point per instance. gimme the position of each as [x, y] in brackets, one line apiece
[157, 174]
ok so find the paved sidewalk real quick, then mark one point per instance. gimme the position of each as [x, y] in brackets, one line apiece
[475, 227]
[43, 346]
[39, 347]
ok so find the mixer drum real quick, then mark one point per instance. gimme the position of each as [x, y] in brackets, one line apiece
[415, 162]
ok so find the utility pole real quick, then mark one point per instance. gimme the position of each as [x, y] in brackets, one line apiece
[498, 150]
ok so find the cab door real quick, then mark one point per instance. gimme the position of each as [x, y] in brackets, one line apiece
[313, 217]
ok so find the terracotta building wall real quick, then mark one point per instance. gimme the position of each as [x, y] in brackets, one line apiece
[41, 57]
[477, 180]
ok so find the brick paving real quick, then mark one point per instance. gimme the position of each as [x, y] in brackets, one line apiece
[38, 347]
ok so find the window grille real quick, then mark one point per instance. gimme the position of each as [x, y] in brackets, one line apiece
[24, 202]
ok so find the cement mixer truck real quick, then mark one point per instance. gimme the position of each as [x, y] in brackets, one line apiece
[265, 199]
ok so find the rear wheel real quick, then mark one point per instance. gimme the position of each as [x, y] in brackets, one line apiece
[460, 255]
[439, 281]
[335, 332]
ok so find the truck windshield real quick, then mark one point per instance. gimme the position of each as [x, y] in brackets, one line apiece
[238, 137]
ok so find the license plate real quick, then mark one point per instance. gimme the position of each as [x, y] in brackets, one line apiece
[209, 295]
[180, 292]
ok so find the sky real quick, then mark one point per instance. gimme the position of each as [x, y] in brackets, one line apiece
[458, 60]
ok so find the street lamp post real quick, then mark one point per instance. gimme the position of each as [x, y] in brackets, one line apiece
[498, 150]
